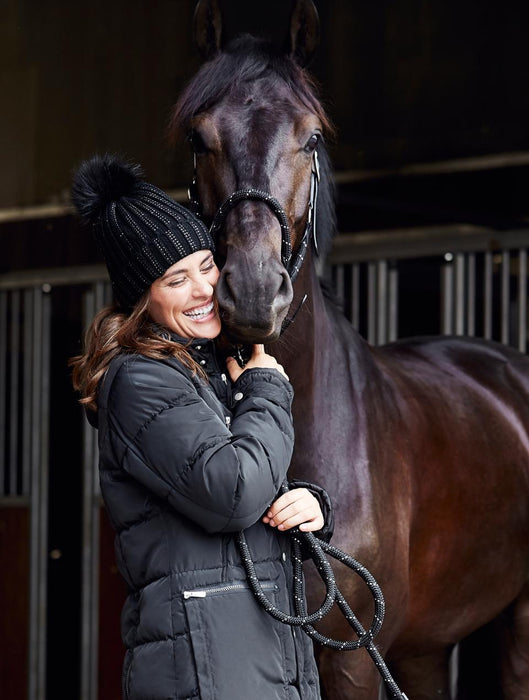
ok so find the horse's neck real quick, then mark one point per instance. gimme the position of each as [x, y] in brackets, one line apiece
[320, 340]
[329, 365]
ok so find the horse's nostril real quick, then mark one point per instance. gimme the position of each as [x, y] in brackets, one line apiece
[285, 288]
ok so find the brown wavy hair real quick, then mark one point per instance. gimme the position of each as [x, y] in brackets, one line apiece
[113, 332]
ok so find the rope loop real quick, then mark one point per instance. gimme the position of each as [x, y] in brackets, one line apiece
[319, 550]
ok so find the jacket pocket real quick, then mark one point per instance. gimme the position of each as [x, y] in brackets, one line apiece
[238, 648]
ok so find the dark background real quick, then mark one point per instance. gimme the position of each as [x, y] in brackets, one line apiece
[430, 100]
[408, 83]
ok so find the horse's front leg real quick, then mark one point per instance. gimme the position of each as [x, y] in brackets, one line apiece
[345, 675]
[515, 648]
[425, 677]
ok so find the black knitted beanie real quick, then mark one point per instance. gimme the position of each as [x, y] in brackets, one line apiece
[140, 230]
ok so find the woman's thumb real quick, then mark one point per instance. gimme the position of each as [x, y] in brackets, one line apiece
[233, 368]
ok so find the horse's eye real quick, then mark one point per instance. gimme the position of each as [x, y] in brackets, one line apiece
[311, 144]
[197, 143]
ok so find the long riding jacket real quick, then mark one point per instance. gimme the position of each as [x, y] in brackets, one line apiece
[185, 464]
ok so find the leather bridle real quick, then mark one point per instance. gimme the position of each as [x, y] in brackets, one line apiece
[292, 262]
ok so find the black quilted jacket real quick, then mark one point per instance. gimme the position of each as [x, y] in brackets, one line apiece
[185, 464]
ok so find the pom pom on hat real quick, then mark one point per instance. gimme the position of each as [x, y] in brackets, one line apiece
[140, 230]
[102, 180]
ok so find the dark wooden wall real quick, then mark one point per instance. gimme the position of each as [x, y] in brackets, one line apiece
[405, 81]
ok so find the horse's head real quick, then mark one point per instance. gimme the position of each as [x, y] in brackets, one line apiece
[254, 124]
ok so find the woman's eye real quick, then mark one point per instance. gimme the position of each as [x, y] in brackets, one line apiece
[177, 283]
[311, 144]
[208, 268]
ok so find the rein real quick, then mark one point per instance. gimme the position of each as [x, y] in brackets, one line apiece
[318, 551]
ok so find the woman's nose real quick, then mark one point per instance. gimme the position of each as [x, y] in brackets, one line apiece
[202, 287]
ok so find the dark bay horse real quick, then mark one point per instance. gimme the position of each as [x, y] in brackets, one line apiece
[423, 444]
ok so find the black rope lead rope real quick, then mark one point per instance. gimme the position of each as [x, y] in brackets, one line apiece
[318, 551]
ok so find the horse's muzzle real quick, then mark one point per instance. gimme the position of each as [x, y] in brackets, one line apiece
[254, 302]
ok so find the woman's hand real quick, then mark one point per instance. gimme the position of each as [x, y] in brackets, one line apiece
[296, 507]
[259, 358]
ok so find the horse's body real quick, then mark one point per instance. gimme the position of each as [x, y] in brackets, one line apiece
[422, 444]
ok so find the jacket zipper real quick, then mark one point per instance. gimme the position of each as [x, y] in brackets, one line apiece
[204, 592]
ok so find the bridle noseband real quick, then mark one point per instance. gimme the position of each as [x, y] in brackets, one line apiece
[261, 196]
[291, 262]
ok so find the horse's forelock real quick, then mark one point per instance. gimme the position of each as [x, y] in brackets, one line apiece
[246, 58]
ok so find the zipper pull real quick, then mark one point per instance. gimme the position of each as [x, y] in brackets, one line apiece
[194, 594]
[228, 422]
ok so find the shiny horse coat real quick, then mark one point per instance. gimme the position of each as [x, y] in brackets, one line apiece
[423, 444]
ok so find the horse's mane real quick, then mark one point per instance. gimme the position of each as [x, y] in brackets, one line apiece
[329, 293]
[245, 59]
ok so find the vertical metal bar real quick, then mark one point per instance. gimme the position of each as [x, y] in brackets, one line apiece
[13, 393]
[45, 385]
[447, 297]
[453, 670]
[93, 300]
[34, 689]
[487, 296]
[471, 294]
[355, 295]
[460, 293]
[27, 383]
[38, 501]
[505, 283]
[522, 301]
[382, 297]
[3, 383]
[393, 302]
[371, 303]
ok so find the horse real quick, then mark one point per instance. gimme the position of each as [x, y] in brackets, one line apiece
[423, 443]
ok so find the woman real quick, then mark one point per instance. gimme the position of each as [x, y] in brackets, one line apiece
[188, 457]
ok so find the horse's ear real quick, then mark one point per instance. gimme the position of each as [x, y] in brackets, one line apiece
[304, 31]
[207, 28]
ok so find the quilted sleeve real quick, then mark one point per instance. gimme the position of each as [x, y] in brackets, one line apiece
[177, 446]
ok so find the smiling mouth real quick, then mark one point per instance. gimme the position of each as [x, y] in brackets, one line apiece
[200, 312]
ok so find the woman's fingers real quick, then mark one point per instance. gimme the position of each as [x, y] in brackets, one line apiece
[259, 358]
[295, 508]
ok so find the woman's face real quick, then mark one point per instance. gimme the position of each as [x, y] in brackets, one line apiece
[183, 300]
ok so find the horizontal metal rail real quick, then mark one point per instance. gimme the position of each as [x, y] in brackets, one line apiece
[488, 161]
[418, 242]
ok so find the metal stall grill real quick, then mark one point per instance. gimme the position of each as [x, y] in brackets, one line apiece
[24, 391]
[479, 277]
[26, 386]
